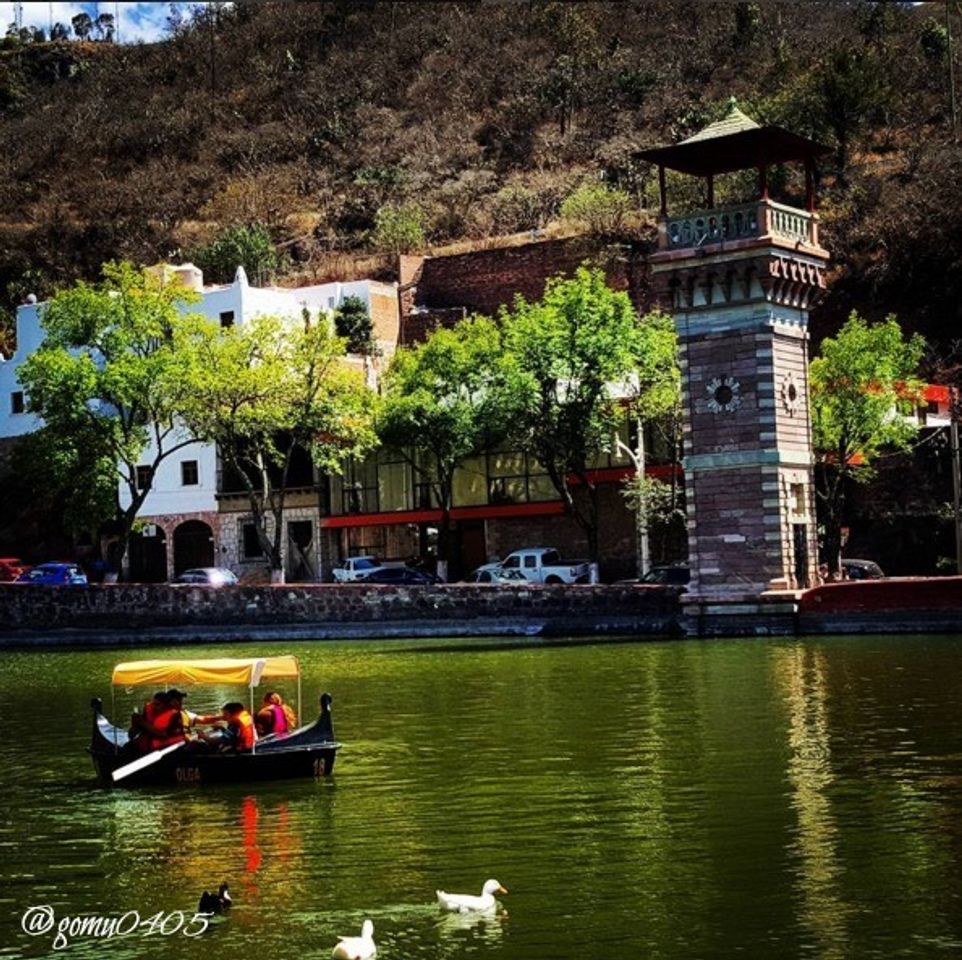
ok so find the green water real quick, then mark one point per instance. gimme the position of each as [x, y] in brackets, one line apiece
[770, 799]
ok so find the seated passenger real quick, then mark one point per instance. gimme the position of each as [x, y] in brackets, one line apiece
[165, 726]
[238, 735]
[144, 726]
[275, 716]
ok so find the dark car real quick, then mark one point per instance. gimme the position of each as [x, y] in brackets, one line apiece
[404, 575]
[678, 575]
[54, 574]
[211, 576]
[862, 570]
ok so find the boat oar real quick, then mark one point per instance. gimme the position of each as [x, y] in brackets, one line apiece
[141, 762]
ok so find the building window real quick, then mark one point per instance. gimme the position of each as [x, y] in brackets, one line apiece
[188, 473]
[143, 477]
[16, 402]
[227, 318]
[251, 542]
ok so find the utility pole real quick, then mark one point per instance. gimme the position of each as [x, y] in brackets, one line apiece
[952, 105]
[956, 474]
[18, 16]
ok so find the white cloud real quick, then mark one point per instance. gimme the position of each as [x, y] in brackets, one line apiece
[137, 22]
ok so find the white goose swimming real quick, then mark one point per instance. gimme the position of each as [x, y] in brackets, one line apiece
[466, 903]
[357, 948]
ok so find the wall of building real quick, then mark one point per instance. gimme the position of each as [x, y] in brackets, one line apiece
[484, 280]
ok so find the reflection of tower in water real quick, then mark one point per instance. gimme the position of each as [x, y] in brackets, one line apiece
[824, 911]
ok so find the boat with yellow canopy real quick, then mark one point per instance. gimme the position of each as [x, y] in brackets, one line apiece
[306, 752]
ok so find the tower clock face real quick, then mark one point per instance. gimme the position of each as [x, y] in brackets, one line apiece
[790, 394]
[724, 394]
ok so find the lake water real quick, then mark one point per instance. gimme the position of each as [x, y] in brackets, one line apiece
[720, 799]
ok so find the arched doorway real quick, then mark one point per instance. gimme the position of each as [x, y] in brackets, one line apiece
[148, 555]
[193, 546]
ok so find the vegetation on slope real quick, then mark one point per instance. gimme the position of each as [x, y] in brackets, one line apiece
[338, 126]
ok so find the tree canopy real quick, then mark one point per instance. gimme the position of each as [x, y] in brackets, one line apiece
[860, 384]
[446, 401]
[266, 391]
[570, 354]
[109, 374]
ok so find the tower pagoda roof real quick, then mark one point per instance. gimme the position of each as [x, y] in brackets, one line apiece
[736, 142]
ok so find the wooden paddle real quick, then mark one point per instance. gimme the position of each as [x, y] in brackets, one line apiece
[141, 762]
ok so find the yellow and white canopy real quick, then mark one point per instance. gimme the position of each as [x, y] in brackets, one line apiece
[249, 671]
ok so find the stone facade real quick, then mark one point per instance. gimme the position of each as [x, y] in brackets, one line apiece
[741, 312]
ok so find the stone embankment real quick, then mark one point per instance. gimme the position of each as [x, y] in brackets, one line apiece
[140, 613]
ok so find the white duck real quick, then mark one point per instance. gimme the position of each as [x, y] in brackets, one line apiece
[465, 903]
[357, 948]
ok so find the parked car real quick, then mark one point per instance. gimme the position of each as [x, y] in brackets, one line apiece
[211, 576]
[11, 568]
[862, 570]
[403, 575]
[54, 574]
[357, 568]
[676, 575]
[543, 565]
[496, 575]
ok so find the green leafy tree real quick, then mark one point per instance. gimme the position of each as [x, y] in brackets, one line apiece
[399, 229]
[445, 401]
[653, 395]
[68, 490]
[849, 89]
[82, 26]
[352, 321]
[249, 246]
[60, 31]
[108, 374]
[263, 391]
[568, 353]
[598, 208]
[858, 384]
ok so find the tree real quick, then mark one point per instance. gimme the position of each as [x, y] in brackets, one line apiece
[108, 373]
[353, 322]
[858, 383]
[82, 26]
[104, 25]
[400, 229]
[444, 402]
[653, 394]
[568, 353]
[601, 209]
[68, 490]
[249, 246]
[265, 391]
[60, 31]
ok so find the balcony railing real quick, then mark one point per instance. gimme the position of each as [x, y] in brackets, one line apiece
[764, 218]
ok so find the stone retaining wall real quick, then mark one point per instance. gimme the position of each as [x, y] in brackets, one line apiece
[601, 608]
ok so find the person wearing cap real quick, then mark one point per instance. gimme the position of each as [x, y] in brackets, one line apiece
[163, 724]
[188, 718]
[143, 726]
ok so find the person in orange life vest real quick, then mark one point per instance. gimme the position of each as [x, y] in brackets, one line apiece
[275, 716]
[163, 724]
[144, 728]
[240, 727]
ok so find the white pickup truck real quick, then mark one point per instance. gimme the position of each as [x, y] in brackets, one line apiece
[544, 565]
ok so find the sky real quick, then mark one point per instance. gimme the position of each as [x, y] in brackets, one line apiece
[138, 21]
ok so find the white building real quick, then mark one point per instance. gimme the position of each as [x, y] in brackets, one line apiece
[189, 520]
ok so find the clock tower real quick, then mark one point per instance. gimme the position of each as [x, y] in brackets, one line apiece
[739, 281]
